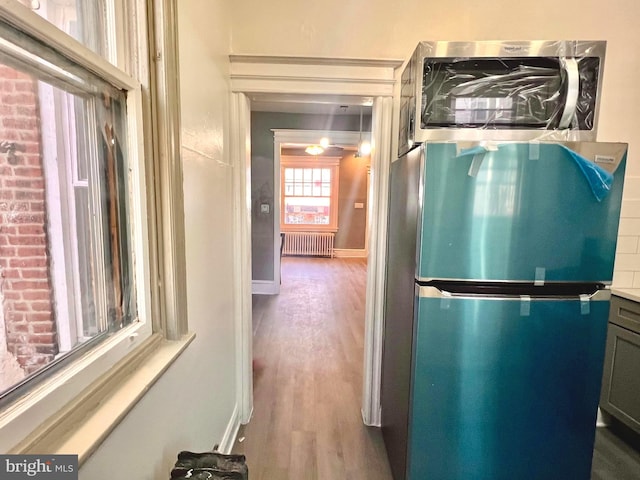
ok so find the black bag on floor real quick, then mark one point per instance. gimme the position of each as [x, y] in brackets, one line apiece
[204, 474]
[213, 461]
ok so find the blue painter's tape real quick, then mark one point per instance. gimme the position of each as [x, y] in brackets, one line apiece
[599, 179]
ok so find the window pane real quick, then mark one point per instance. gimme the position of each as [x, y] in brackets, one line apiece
[82, 159]
[65, 261]
[288, 174]
[326, 175]
[288, 188]
[306, 211]
[307, 189]
[84, 20]
[297, 174]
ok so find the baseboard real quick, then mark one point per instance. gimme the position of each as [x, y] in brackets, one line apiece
[374, 421]
[603, 418]
[264, 287]
[350, 252]
[230, 433]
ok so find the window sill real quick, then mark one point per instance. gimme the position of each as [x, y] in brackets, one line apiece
[87, 420]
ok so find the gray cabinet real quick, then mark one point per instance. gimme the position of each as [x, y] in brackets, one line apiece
[620, 395]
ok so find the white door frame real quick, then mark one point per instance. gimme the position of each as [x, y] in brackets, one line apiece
[376, 268]
[308, 79]
[240, 141]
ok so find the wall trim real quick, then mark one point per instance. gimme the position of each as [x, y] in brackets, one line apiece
[341, 138]
[312, 76]
[264, 287]
[239, 142]
[289, 60]
[350, 252]
[376, 267]
[230, 433]
[165, 88]
[312, 79]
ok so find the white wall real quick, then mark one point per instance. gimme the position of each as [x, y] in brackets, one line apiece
[392, 28]
[190, 406]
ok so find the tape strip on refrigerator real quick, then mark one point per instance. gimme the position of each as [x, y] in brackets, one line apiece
[585, 307]
[525, 305]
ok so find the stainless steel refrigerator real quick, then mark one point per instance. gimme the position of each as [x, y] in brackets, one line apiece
[499, 261]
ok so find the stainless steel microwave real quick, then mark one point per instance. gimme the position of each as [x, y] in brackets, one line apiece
[499, 90]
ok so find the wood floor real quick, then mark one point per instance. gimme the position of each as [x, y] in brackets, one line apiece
[616, 455]
[308, 351]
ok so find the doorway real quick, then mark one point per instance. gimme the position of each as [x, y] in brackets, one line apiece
[304, 78]
[344, 221]
[318, 201]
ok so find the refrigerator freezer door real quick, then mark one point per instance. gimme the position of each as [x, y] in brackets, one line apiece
[525, 212]
[505, 388]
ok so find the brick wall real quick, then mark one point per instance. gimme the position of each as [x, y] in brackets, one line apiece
[25, 281]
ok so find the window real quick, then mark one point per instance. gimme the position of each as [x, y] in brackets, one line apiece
[309, 193]
[75, 293]
[65, 263]
[84, 20]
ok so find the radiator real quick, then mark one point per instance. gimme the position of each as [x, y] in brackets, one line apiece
[308, 243]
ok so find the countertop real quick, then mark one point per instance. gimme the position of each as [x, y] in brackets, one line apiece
[628, 293]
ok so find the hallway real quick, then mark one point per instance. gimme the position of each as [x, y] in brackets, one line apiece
[308, 351]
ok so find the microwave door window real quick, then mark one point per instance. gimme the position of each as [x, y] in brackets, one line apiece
[588, 68]
[492, 93]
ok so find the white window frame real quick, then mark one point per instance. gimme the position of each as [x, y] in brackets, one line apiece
[33, 423]
[312, 162]
[64, 257]
[62, 181]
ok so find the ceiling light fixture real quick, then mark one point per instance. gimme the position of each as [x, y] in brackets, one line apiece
[364, 148]
[314, 150]
[324, 142]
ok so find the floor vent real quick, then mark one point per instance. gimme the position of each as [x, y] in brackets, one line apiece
[308, 244]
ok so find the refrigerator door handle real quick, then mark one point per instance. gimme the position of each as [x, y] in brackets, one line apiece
[430, 291]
